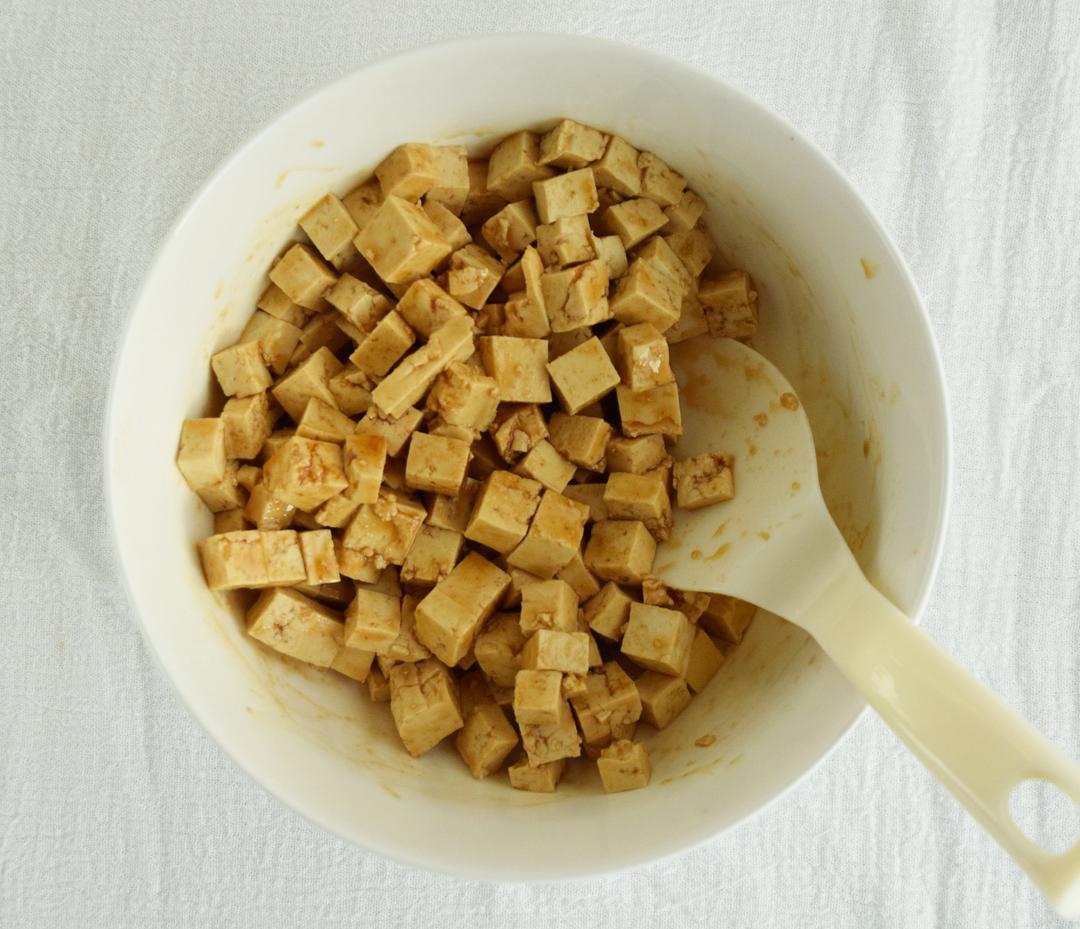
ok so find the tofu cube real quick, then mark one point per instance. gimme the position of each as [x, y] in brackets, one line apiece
[303, 276]
[266, 510]
[360, 303]
[517, 430]
[592, 495]
[372, 620]
[480, 202]
[583, 375]
[538, 697]
[640, 497]
[448, 618]
[643, 359]
[684, 215]
[305, 472]
[453, 512]
[277, 339]
[514, 164]
[610, 707]
[310, 379]
[691, 322]
[620, 551]
[618, 168]
[569, 194]
[580, 439]
[704, 480]
[387, 343]
[380, 534]
[407, 647]
[548, 742]
[474, 691]
[320, 562]
[329, 226]
[609, 611]
[510, 231]
[364, 458]
[635, 456]
[518, 579]
[553, 650]
[424, 704]
[463, 396]
[543, 778]
[485, 740]
[694, 248]
[201, 457]
[432, 556]
[730, 302]
[400, 242]
[296, 626]
[727, 617]
[504, 506]
[650, 412]
[543, 463]
[473, 275]
[624, 765]
[354, 663]
[658, 639]
[705, 661]
[229, 521]
[633, 221]
[226, 494]
[609, 249]
[232, 560]
[396, 430]
[425, 306]
[324, 422]
[451, 227]
[571, 145]
[518, 367]
[553, 536]
[548, 605]
[498, 649]
[663, 697]
[580, 579]
[566, 241]
[436, 463]
[240, 370]
[363, 201]
[646, 294]
[409, 171]
[378, 686]
[276, 303]
[659, 181]
[451, 188]
[576, 297]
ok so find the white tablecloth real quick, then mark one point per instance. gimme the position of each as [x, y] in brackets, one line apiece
[961, 125]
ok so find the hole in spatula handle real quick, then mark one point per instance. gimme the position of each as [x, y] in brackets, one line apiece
[1046, 815]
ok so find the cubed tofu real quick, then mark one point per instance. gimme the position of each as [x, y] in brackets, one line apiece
[372, 620]
[548, 605]
[559, 343]
[425, 306]
[610, 250]
[577, 296]
[691, 322]
[731, 307]
[276, 303]
[384, 346]
[618, 168]
[453, 512]
[633, 221]
[380, 534]
[303, 276]
[378, 686]
[410, 380]
[624, 765]
[267, 511]
[684, 215]
[620, 551]
[396, 430]
[451, 227]
[537, 697]
[463, 396]
[580, 439]
[548, 742]
[201, 457]
[517, 430]
[424, 704]
[518, 366]
[570, 194]
[571, 145]
[436, 464]
[324, 422]
[688, 602]
[409, 171]
[727, 617]
[401, 242]
[226, 494]
[518, 579]
[663, 697]
[407, 647]
[583, 375]
[229, 521]
[705, 661]
[658, 639]
[566, 241]
[513, 166]
[524, 318]
[320, 563]
[358, 302]
[305, 472]
[592, 495]
[503, 508]
[232, 560]
[610, 707]
[542, 778]
[310, 379]
[510, 231]
[650, 412]
[498, 648]
[354, 663]
[277, 339]
[694, 247]
[284, 558]
[647, 294]
[553, 650]
[448, 618]
[485, 740]
[553, 536]
[296, 626]
[608, 612]
[473, 275]
[329, 226]
[659, 182]
[635, 456]
[704, 480]
[543, 463]
[432, 556]
[451, 188]
[643, 359]
[581, 580]
[481, 201]
[640, 497]
[363, 201]
[364, 458]
[240, 370]
[247, 425]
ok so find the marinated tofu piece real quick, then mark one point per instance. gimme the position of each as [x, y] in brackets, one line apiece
[553, 536]
[241, 370]
[608, 612]
[550, 741]
[620, 550]
[498, 649]
[730, 303]
[436, 464]
[310, 378]
[609, 709]
[305, 472]
[618, 168]
[639, 497]
[542, 778]
[432, 556]
[658, 639]
[380, 534]
[571, 145]
[514, 164]
[553, 650]
[329, 226]
[583, 375]
[372, 620]
[550, 604]
[473, 275]
[663, 697]
[503, 509]
[569, 194]
[576, 296]
[580, 439]
[704, 480]
[624, 765]
[705, 661]
[248, 425]
[201, 458]
[650, 412]
[303, 276]
[485, 740]
[400, 242]
[727, 618]
[296, 626]
[519, 367]
[424, 704]
[543, 463]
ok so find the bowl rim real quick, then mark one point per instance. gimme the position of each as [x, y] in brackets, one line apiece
[297, 803]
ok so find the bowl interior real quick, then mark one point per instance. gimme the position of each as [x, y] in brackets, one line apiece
[840, 318]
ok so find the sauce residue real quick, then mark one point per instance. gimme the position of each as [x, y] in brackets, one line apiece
[705, 741]
[720, 552]
[869, 269]
[789, 401]
[761, 419]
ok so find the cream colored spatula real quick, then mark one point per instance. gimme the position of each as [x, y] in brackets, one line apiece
[779, 548]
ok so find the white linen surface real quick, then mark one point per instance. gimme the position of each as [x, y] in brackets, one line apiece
[959, 122]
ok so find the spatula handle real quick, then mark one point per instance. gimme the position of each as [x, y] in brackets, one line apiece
[978, 747]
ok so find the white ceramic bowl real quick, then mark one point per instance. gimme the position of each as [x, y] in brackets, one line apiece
[856, 344]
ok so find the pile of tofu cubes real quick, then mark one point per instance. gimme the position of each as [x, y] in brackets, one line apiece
[442, 461]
